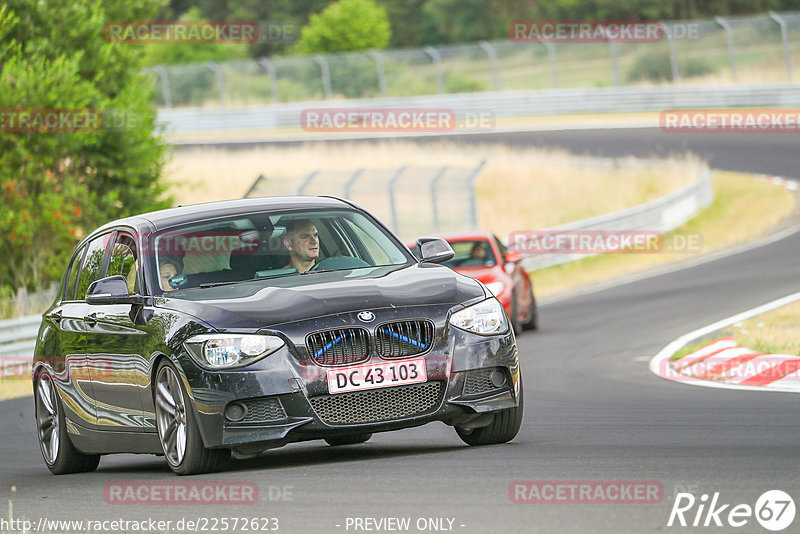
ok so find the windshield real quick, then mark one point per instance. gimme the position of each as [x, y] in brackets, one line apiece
[269, 245]
[471, 254]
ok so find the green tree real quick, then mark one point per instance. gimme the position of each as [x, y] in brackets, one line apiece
[345, 26]
[61, 182]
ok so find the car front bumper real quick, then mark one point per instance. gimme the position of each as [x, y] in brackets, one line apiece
[286, 398]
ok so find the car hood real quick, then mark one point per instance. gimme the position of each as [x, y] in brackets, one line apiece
[262, 303]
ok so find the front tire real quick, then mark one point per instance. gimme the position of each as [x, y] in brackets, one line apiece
[336, 441]
[178, 430]
[503, 428]
[58, 452]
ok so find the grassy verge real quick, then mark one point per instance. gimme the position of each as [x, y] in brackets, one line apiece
[743, 209]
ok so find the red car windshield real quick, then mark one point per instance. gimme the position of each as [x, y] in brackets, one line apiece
[471, 254]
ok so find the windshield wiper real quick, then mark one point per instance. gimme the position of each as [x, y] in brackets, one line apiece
[320, 271]
[215, 284]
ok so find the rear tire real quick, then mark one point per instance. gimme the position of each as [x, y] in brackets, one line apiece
[516, 323]
[503, 428]
[58, 452]
[335, 441]
[178, 430]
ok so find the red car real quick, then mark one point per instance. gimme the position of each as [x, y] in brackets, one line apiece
[481, 255]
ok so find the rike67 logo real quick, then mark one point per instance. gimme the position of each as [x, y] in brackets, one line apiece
[774, 510]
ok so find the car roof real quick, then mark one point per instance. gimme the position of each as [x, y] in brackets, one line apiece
[158, 220]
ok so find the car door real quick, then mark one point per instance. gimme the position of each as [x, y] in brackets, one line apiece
[522, 291]
[115, 347]
[65, 351]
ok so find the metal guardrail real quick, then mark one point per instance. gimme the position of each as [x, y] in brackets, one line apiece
[662, 215]
[17, 342]
[182, 123]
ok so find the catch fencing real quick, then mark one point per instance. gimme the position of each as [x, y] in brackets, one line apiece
[721, 51]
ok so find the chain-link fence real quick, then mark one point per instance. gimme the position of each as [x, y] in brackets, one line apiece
[412, 200]
[749, 49]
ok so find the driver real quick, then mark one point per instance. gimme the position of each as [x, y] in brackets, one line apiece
[302, 242]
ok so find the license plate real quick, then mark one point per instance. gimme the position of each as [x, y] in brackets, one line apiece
[378, 375]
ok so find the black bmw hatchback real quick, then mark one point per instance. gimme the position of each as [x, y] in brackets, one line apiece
[235, 327]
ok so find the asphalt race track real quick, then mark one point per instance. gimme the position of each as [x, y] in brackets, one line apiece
[593, 410]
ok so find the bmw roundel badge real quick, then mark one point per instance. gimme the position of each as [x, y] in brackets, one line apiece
[366, 316]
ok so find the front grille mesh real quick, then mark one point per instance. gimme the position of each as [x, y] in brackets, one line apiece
[403, 338]
[385, 404]
[263, 410]
[343, 346]
[479, 382]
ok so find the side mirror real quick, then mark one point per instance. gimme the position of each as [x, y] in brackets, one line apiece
[111, 290]
[513, 257]
[434, 250]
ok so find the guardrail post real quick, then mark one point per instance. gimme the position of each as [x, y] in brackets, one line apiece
[434, 183]
[326, 75]
[273, 77]
[307, 182]
[731, 49]
[381, 69]
[220, 76]
[551, 53]
[392, 182]
[673, 54]
[473, 208]
[492, 53]
[785, 40]
[437, 65]
[612, 50]
[163, 76]
[352, 181]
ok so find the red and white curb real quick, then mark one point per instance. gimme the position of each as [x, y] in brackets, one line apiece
[724, 361]
[724, 364]
[789, 183]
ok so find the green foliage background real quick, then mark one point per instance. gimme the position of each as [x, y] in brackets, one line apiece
[57, 186]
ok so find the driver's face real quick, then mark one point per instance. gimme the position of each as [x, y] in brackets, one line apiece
[304, 244]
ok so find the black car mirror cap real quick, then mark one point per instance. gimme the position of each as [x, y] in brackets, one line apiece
[111, 290]
[434, 250]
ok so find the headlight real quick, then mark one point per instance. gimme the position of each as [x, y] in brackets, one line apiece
[223, 351]
[487, 317]
[495, 287]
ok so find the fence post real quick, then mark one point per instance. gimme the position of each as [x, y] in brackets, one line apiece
[381, 68]
[785, 39]
[612, 50]
[350, 183]
[163, 76]
[223, 94]
[273, 77]
[307, 182]
[551, 53]
[326, 75]
[492, 53]
[434, 183]
[731, 49]
[392, 182]
[673, 54]
[473, 207]
[437, 64]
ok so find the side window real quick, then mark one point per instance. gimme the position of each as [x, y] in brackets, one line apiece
[123, 261]
[72, 277]
[92, 264]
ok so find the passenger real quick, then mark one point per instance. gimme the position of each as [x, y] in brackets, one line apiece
[302, 242]
[167, 268]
